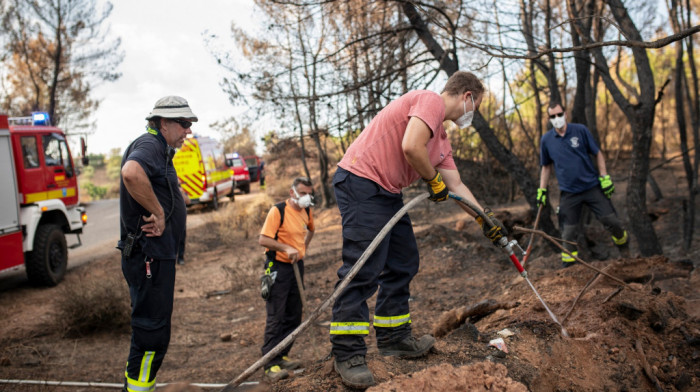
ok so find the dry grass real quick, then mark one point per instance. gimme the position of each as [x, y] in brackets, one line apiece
[237, 226]
[96, 303]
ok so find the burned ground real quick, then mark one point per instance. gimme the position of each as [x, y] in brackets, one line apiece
[218, 321]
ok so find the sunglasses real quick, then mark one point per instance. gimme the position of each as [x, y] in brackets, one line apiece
[183, 123]
[556, 115]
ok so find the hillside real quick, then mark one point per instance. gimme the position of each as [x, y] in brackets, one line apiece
[219, 316]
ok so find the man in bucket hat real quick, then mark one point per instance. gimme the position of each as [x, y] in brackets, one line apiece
[152, 216]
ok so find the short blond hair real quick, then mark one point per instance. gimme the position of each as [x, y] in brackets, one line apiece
[463, 81]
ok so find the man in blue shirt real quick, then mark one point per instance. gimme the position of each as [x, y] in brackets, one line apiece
[568, 148]
[152, 216]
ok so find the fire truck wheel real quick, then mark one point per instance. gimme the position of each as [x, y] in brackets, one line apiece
[232, 195]
[215, 200]
[246, 188]
[46, 264]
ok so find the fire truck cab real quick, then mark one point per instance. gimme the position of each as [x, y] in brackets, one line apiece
[39, 196]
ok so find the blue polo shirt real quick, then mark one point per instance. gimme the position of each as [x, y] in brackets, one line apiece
[570, 154]
[150, 151]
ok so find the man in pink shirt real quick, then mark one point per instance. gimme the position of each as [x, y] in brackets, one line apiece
[404, 142]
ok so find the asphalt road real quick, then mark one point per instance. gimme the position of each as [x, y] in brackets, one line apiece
[100, 236]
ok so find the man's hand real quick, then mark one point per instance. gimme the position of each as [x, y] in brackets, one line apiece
[437, 188]
[541, 197]
[155, 225]
[292, 253]
[606, 185]
[495, 232]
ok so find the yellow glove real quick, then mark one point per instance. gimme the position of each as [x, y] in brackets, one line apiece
[495, 232]
[438, 190]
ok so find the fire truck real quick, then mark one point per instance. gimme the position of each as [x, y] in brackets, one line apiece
[39, 196]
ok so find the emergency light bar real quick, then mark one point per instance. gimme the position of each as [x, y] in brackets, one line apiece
[37, 118]
[40, 118]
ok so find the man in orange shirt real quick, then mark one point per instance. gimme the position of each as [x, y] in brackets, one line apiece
[286, 234]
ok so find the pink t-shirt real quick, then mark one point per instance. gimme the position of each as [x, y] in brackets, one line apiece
[377, 155]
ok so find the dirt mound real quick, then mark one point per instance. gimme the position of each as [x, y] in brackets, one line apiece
[482, 376]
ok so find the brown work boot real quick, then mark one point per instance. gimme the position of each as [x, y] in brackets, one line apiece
[354, 372]
[289, 364]
[275, 373]
[409, 347]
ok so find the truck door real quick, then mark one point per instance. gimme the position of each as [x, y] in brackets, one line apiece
[60, 175]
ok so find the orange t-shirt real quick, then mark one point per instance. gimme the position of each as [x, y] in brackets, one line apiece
[377, 154]
[293, 230]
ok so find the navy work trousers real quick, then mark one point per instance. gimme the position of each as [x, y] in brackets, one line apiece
[283, 309]
[151, 310]
[365, 208]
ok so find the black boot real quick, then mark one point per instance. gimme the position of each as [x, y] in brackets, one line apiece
[409, 347]
[354, 372]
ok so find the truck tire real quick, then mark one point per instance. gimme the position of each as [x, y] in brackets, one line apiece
[246, 188]
[215, 200]
[47, 263]
[232, 195]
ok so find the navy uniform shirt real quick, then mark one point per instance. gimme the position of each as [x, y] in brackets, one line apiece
[151, 152]
[570, 154]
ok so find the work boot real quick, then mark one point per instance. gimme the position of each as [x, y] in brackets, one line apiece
[409, 347]
[290, 364]
[354, 372]
[275, 373]
[624, 250]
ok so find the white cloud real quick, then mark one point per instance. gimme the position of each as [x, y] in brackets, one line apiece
[165, 54]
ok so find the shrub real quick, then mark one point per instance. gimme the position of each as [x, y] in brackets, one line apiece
[95, 303]
[95, 192]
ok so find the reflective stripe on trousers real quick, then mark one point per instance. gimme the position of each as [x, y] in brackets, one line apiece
[391, 321]
[350, 328]
[142, 384]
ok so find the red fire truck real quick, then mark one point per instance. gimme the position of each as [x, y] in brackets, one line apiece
[39, 198]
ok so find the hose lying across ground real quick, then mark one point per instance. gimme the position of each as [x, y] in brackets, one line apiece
[313, 316]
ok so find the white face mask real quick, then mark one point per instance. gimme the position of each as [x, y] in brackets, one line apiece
[465, 120]
[559, 122]
[303, 201]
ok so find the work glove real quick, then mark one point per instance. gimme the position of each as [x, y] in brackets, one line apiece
[495, 232]
[606, 185]
[541, 197]
[266, 282]
[438, 190]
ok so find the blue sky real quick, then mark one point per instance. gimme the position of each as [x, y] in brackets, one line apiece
[165, 54]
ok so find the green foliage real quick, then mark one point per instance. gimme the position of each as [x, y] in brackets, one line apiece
[96, 192]
[88, 173]
[114, 162]
[96, 160]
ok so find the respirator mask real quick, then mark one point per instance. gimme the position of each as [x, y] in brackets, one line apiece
[465, 120]
[303, 201]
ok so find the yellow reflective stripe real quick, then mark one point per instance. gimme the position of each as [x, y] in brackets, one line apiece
[621, 241]
[138, 386]
[391, 321]
[568, 259]
[350, 328]
[55, 194]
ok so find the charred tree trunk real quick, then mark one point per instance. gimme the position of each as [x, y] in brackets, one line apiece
[641, 118]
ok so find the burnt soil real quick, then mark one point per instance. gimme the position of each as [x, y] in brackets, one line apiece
[613, 331]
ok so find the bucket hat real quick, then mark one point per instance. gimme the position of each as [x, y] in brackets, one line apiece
[172, 107]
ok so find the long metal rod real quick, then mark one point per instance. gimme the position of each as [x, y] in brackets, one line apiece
[508, 246]
[343, 284]
[551, 314]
